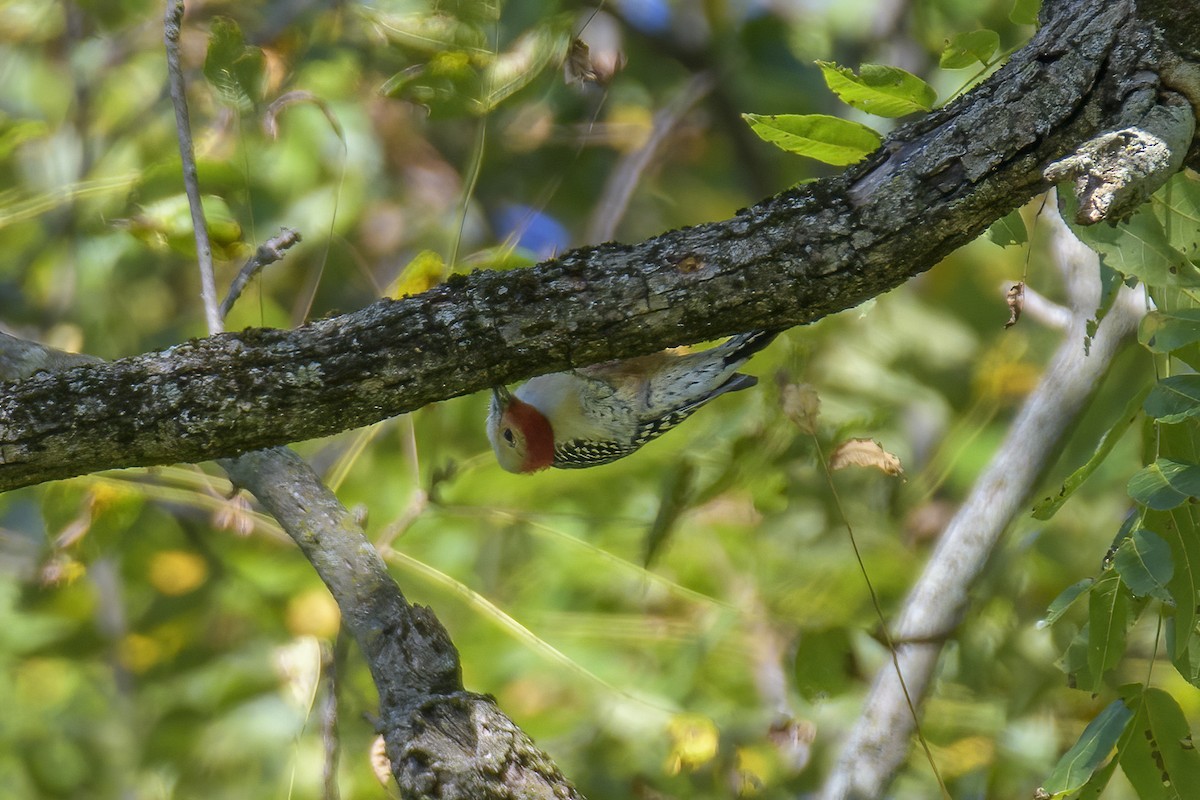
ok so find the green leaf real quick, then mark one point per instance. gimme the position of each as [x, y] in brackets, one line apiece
[1094, 788]
[1066, 598]
[1174, 399]
[1159, 757]
[513, 69]
[1108, 618]
[1177, 205]
[1074, 662]
[1144, 563]
[878, 89]
[1093, 747]
[1009, 229]
[824, 663]
[1138, 247]
[825, 138]
[432, 32]
[1186, 658]
[1178, 528]
[970, 48]
[1111, 282]
[1165, 484]
[679, 487]
[1049, 506]
[1025, 12]
[234, 69]
[1164, 331]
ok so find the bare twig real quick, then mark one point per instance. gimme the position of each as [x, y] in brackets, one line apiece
[268, 252]
[172, 24]
[614, 199]
[333, 661]
[879, 741]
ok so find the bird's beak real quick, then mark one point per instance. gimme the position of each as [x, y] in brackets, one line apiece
[502, 396]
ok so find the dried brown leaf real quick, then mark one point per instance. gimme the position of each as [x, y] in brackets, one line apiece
[379, 762]
[864, 453]
[1016, 303]
[802, 405]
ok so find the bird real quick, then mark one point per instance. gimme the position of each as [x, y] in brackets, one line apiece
[598, 414]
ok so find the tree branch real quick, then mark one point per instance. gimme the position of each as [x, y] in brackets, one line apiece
[791, 259]
[879, 741]
[442, 741]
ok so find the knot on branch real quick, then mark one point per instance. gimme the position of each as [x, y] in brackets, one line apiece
[1116, 172]
[463, 746]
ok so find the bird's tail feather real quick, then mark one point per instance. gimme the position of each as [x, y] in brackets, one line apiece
[741, 347]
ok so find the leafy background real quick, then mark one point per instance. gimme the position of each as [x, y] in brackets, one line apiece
[689, 622]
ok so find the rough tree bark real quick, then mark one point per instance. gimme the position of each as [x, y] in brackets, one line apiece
[793, 258]
[1095, 66]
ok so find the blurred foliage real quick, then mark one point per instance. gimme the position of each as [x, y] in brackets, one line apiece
[159, 640]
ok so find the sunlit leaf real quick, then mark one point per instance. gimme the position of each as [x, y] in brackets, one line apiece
[1092, 749]
[1108, 618]
[1008, 230]
[970, 48]
[1049, 506]
[1138, 247]
[1165, 484]
[1177, 204]
[1144, 563]
[1025, 12]
[829, 139]
[878, 89]
[513, 69]
[430, 31]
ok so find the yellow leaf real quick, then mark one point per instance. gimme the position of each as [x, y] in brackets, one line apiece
[313, 613]
[177, 572]
[421, 274]
[694, 740]
[138, 652]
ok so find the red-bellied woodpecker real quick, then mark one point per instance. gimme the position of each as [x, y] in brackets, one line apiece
[601, 413]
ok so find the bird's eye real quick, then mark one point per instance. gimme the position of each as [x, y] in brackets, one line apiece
[508, 436]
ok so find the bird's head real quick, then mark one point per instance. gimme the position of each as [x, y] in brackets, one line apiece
[521, 435]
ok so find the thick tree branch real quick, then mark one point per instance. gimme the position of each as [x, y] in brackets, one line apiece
[443, 741]
[791, 259]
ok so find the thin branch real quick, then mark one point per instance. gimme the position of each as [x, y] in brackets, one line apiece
[267, 253]
[618, 189]
[879, 741]
[172, 26]
[332, 662]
